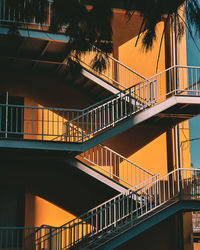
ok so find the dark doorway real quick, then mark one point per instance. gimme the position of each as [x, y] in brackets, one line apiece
[11, 116]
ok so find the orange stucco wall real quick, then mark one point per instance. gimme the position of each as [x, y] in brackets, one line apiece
[196, 246]
[141, 62]
[153, 156]
[42, 212]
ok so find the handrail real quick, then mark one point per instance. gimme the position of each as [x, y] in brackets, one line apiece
[115, 166]
[123, 210]
[37, 123]
[114, 59]
[108, 112]
[128, 207]
[26, 237]
[116, 73]
[176, 80]
[44, 108]
[131, 190]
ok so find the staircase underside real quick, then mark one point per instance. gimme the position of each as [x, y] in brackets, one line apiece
[57, 178]
[126, 234]
[151, 123]
[40, 51]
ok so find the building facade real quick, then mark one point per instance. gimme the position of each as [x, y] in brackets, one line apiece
[96, 160]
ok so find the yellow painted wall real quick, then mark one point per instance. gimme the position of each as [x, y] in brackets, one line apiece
[153, 157]
[141, 62]
[43, 90]
[196, 246]
[39, 212]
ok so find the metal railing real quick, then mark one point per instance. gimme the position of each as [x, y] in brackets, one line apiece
[116, 73]
[115, 166]
[12, 14]
[196, 214]
[126, 209]
[108, 112]
[121, 212]
[29, 238]
[196, 221]
[176, 80]
[71, 125]
[36, 123]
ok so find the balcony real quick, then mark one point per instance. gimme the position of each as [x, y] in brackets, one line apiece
[14, 13]
[164, 100]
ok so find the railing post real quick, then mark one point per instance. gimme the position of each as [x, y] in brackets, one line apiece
[49, 9]
[50, 239]
[6, 128]
[0, 10]
[150, 93]
[175, 79]
[130, 104]
[82, 126]
[42, 124]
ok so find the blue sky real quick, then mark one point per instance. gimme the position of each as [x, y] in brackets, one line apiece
[193, 59]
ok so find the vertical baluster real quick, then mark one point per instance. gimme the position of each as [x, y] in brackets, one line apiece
[62, 126]
[42, 123]
[135, 175]
[159, 190]
[32, 120]
[6, 128]
[1, 120]
[123, 171]
[121, 103]
[4, 10]
[52, 115]
[110, 164]
[58, 115]
[184, 84]
[126, 84]
[97, 155]
[11, 119]
[117, 111]
[127, 171]
[27, 120]
[49, 10]
[1, 10]
[113, 70]
[121, 74]
[173, 183]
[192, 82]
[196, 82]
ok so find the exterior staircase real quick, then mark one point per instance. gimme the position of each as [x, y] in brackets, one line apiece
[149, 198]
[116, 167]
[117, 220]
[129, 214]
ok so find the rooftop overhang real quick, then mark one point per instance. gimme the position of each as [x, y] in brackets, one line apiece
[36, 33]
